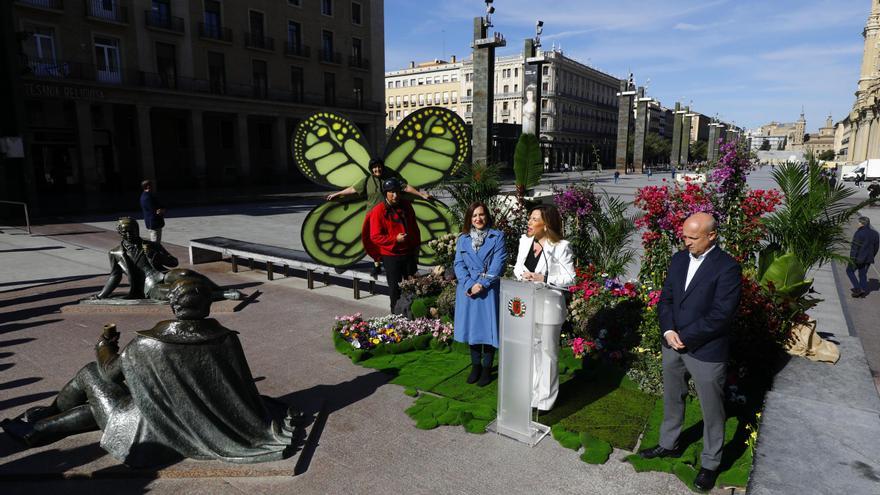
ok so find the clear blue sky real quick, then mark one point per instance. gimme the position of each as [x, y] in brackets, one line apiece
[751, 61]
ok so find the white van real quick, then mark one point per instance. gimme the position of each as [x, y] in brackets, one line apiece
[851, 175]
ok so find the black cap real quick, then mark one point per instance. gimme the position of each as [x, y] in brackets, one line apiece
[375, 162]
[392, 184]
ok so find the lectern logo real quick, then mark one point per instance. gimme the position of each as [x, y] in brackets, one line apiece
[516, 307]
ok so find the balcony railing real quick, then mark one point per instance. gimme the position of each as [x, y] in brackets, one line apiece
[358, 62]
[253, 40]
[170, 81]
[156, 19]
[215, 32]
[297, 50]
[107, 10]
[43, 4]
[331, 57]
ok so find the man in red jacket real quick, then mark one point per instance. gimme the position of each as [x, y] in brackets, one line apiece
[395, 235]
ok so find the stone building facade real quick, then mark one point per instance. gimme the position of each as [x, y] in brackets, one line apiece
[578, 105]
[191, 93]
[864, 118]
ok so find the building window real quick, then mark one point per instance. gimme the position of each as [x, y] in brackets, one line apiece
[358, 91]
[327, 9]
[437, 98]
[390, 101]
[327, 46]
[468, 108]
[545, 70]
[390, 84]
[455, 97]
[430, 98]
[506, 88]
[330, 88]
[446, 78]
[412, 82]
[107, 60]
[217, 73]
[357, 54]
[297, 83]
[397, 115]
[398, 101]
[446, 97]
[213, 22]
[166, 65]
[421, 100]
[356, 16]
[421, 81]
[504, 106]
[516, 72]
[469, 92]
[294, 38]
[260, 79]
[545, 86]
[406, 100]
[397, 83]
[404, 83]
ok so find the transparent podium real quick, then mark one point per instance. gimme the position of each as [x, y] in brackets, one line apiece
[522, 305]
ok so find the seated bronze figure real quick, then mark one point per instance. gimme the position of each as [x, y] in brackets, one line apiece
[180, 389]
[147, 264]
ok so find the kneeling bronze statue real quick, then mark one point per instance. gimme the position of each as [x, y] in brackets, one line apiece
[181, 388]
[147, 264]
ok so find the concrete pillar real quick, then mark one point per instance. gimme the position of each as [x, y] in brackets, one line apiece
[867, 122]
[874, 139]
[639, 137]
[624, 115]
[145, 143]
[244, 148]
[710, 146]
[86, 142]
[484, 91]
[685, 136]
[279, 166]
[675, 156]
[197, 130]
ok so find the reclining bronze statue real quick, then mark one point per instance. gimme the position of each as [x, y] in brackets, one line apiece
[180, 389]
[147, 264]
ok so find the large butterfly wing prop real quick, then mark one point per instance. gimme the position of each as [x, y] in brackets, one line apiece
[434, 221]
[427, 146]
[330, 150]
[331, 233]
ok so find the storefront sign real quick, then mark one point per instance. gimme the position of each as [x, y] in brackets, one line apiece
[68, 92]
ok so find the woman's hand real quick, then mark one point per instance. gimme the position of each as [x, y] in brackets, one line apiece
[533, 277]
[475, 289]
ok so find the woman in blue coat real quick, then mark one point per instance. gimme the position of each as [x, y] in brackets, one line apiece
[480, 258]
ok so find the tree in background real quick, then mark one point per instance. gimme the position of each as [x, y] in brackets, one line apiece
[827, 155]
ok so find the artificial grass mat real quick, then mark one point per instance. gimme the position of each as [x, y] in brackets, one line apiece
[736, 458]
[598, 406]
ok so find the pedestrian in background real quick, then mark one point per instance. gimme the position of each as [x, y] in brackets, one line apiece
[616, 176]
[154, 212]
[865, 243]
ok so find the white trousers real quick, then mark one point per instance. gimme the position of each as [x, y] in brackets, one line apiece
[545, 380]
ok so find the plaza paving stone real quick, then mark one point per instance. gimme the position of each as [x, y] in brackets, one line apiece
[369, 445]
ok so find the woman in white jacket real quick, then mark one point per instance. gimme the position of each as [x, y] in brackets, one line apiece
[544, 256]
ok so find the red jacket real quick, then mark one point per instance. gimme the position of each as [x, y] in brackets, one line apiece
[383, 230]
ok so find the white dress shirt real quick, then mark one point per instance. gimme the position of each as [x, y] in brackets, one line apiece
[693, 265]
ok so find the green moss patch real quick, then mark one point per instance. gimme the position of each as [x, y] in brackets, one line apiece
[736, 458]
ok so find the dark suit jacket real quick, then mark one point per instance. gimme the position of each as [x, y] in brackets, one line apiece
[701, 314]
[864, 246]
[149, 205]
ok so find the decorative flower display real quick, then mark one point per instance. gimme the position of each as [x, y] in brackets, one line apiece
[390, 329]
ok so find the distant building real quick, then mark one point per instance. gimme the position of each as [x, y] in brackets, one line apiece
[578, 107]
[791, 134]
[191, 93]
[822, 141]
[864, 127]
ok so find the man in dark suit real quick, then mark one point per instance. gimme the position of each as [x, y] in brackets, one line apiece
[699, 298]
[865, 243]
[154, 212]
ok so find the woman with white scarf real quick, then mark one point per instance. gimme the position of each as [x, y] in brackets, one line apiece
[544, 256]
[480, 259]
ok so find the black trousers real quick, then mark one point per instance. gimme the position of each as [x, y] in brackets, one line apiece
[398, 268]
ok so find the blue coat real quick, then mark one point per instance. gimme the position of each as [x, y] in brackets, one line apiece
[701, 314]
[476, 318]
[149, 205]
[865, 244]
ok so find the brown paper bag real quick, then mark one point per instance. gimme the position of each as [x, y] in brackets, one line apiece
[807, 343]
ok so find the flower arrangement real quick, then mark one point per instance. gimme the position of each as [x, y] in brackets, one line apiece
[431, 284]
[390, 329]
[444, 249]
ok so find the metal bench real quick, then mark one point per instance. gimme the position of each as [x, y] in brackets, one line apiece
[210, 249]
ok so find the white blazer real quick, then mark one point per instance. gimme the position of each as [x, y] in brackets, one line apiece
[557, 254]
[552, 310]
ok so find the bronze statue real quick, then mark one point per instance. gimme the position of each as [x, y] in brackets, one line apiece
[147, 264]
[180, 389]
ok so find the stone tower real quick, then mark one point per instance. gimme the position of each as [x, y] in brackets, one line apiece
[872, 51]
[800, 128]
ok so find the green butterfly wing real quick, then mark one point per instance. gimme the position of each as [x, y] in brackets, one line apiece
[427, 146]
[330, 150]
[434, 221]
[331, 233]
